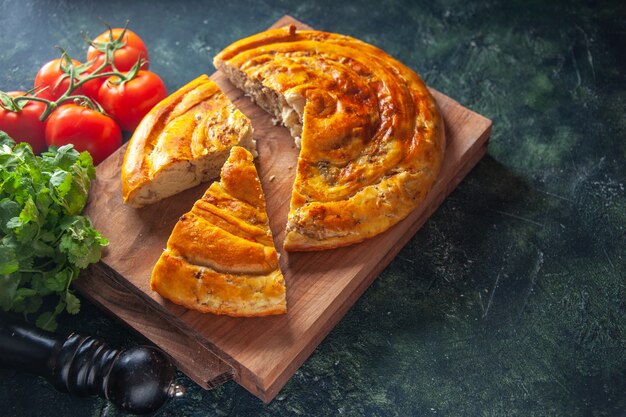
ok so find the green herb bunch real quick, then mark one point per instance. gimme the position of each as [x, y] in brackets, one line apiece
[45, 241]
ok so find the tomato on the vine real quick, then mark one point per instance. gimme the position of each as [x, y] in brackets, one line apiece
[48, 77]
[125, 57]
[88, 129]
[92, 87]
[24, 125]
[128, 102]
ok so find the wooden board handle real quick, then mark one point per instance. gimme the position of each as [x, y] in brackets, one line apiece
[101, 286]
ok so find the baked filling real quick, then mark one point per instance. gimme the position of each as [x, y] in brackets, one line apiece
[220, 257]
[370, 135]
[183, 141]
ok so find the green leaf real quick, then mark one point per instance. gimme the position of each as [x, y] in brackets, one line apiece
[82, 244]
[29, 212]
[85, 161]
[47, 321]
[8, 210]
[47, 236]
[18, 156]
[39, 282]
[26, 292]
[5, 140]
[41, 249]
[8, 288]
[25, 153]
[63, 157]
[8, 261]
[62, 182]
[26, 300]
[12, 155]
[26, 226]
[7, 158]
[60, 281]
[15, 187]
[76, 198]
[72, 303]
[43, 200]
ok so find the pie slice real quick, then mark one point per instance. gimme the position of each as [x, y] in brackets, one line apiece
[371, 137]
[183, 141]
[220, 257]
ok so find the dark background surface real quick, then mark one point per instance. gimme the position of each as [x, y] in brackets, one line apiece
[511, 300]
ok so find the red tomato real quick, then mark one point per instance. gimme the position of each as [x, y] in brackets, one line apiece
[124, 58]
[92, 87]
[129, 102]
[87, 129]
[24, 126]
[49, 75]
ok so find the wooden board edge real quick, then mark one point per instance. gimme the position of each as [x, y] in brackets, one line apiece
[114, 297]
[332, 317]
[99, 285]
[152, 324]
[289, 20]
[476, 116]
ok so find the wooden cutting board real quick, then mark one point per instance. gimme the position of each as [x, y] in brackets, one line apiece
[261, 354]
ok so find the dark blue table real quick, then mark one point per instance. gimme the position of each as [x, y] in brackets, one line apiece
[511, 301]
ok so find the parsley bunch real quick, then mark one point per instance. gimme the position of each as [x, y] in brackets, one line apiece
[44, 241]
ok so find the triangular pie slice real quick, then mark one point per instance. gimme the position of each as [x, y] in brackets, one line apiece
[220, 257]
[372, 140]
[183, 141]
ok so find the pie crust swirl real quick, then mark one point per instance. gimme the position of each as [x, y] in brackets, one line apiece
[183, 141]
[220, 257]
[371, 136]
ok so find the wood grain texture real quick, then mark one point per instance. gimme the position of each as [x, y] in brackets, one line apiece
[261, 354]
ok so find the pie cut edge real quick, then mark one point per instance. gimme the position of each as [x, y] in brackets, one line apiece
[182, 142]
[371, 135]
[220, 257]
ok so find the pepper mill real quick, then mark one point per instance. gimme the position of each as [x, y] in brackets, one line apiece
[137, 380]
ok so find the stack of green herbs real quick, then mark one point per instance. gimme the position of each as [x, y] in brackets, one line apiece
[44, 239]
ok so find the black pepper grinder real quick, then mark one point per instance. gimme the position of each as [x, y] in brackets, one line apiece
[137, 380]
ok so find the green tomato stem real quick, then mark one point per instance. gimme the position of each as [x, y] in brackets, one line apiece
[76, 80]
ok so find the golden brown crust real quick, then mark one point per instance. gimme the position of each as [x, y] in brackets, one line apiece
[182, 141]
[372, 138]
[220, 257]
[207, 291]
